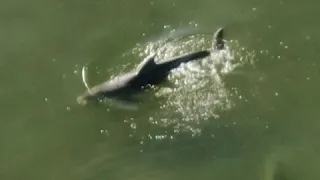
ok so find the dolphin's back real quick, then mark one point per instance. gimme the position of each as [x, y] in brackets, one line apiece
[155, 73]
[118, 82]
[118, 86]
[176, 61]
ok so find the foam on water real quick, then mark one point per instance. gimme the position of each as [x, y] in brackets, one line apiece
[198, 92]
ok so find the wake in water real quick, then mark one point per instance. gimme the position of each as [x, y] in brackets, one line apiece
[198, 92]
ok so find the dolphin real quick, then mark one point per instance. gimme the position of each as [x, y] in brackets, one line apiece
[147, 74]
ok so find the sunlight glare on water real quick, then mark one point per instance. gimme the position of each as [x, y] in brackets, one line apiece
[198, 92]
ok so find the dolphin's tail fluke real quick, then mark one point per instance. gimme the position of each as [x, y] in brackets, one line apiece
[218, 41]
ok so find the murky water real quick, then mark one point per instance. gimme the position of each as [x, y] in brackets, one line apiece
[247, 112]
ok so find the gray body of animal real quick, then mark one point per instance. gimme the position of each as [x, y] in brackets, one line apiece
[148, 73]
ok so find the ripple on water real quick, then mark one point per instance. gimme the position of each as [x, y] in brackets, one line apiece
[198, 92]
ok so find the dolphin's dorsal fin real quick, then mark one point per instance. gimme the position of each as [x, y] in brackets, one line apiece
[147, 64]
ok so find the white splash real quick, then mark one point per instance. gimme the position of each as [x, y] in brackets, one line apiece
[198, 91]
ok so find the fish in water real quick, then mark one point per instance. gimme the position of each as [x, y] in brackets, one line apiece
[147, 74]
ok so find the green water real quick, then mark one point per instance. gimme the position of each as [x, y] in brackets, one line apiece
[258, 120]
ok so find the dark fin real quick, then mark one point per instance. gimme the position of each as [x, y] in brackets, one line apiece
[147, 64]
[218, 41]
[176, 61]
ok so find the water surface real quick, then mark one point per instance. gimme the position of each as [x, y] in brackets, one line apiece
[249, 112]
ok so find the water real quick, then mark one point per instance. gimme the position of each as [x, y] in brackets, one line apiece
[250, 112]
